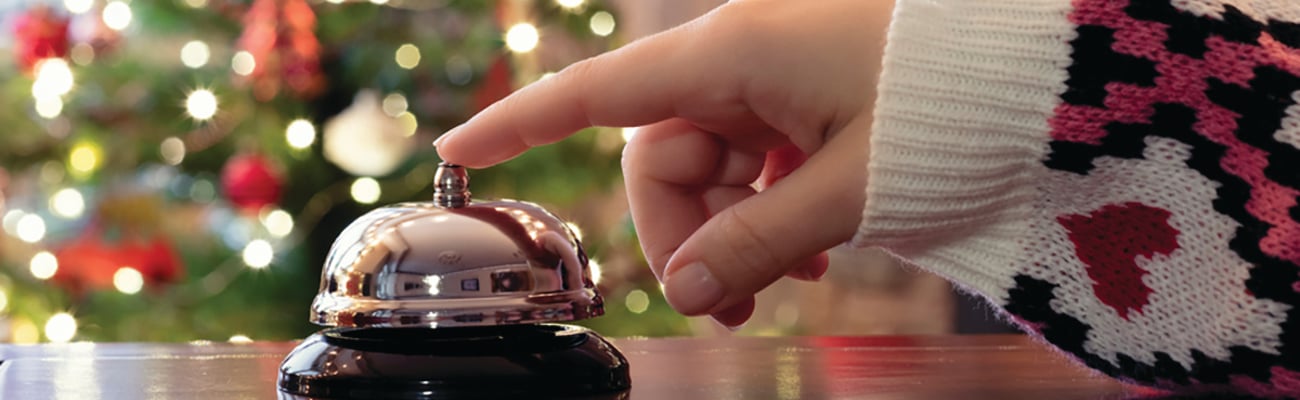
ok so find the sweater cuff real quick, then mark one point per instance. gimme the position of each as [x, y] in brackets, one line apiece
[960, 130]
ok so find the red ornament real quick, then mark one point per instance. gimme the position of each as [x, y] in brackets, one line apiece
[250, 182]
[89, 262]
[39, 34]
[496, 84]
[280, 36]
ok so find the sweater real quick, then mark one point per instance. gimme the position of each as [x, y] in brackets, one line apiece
[1119, 176]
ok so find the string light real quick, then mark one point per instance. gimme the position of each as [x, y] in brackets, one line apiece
[278, 223]
[68, 203]
[380, 2]
[49, 107]
[10, 220]
[196, 3]
[128, 280]
[243, 63]
[258, 254]
[117, 15]
[395, 104]
[366, 190]
[637, 301]
[201, 104]
[407, 56]
[31, 228]
[84, 158]
[602, 23]
[61, 328]
[78, 6]
[408, 124]
[300, 134]
[44, 265]
[172, 150]
[522, 37]
[240, 339]
[195, 54]
[569, 4]
[53, 78]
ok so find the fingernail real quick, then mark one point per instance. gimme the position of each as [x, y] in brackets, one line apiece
[732, 328]
[437, 142]
[692, 289]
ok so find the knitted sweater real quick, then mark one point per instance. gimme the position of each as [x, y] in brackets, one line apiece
[1120, 176]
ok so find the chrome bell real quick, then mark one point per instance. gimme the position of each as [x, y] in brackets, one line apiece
[455, 262]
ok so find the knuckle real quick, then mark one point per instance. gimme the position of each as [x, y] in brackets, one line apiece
[745, 246]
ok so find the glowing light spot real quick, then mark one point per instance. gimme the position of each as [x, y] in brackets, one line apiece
[82, 53]
[128, 280]
[366, 190]
[49, 107]
[240, 339]
[53, 78]
[68, 203]
[61, 328]
[31, 228]
[25, 332]
[172, 150]
[522, 37]
[596, 271]
[258, 254]
[201, 104]
[243, 63]
[4, 300]
[407, 56]
[300, 134]
[628, 133]
[84, 158]
[408, 123]
[278, 223]
[10, 221]
[432, 281]
[381, 2]
[569, 4]
[602, 23]
[203, 191]
[395, 104]
[637, 301]
[335, 1]
[195, 54]
[78, 6]
[117, 15]
[196, 3]
[44, 265]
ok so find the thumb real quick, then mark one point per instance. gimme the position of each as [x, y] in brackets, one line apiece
[751, 244]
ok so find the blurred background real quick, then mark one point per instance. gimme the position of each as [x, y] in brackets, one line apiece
[176, 170]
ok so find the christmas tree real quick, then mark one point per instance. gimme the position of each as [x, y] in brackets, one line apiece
[176, 170]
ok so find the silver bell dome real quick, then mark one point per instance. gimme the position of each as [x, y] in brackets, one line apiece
[455, 262]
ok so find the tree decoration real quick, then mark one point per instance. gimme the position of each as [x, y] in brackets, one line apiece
[280, 39]
[39, 33]
[250, 182]
[364, 141]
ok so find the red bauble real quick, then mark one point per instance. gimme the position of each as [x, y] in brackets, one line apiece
[89, 262]
[280, 36]
[496, 84]
[39, 34]
[250, 182]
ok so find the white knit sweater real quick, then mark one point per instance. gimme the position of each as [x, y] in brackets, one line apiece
[1121, 178]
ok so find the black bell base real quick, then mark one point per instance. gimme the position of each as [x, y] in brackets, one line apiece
[516, 361]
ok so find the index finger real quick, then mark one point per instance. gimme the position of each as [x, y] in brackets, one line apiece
[638, 84]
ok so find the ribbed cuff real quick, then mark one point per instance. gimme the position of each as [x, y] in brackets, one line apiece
[960, 130]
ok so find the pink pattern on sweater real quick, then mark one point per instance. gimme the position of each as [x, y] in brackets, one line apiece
[1183, 80]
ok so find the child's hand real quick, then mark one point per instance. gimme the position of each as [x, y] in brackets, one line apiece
[737, 95]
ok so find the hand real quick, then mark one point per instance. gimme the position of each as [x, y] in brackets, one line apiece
[777, 93]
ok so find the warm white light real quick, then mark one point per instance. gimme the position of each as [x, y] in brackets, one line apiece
[78, 6]
[84, 158]
[278, 223]
[408, 123]
[300, 134]
[602, 23]
[570, 4]
[366, 190]
[117, 15]
[172, 150]
[31, 228]
[394, 104]
[243, 63]
[44, 265]
[597, 271]
[379, 1]
[10, 220]
[196, 3]
[195, 54]
[60, 328]
[628, 133]
[240, 339]
[68, 203]
[335, 1]
[407, 56]
[522, 37]
[4, 301]
[433, 282]
[258, 254]
[201, 104]
[128, 280]
[49, 107]
[637, 301]
[53, 78]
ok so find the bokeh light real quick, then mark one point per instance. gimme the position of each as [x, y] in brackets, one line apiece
[243, 63]
[258, 254]
[195, 54]
[407, 56]
[43, 265]
[68, 203]
[522, 37]
[61, 328]
[366, 190]
[117, 15]
[300, 134]
[201, 104]
[128, 280]
[602, 23]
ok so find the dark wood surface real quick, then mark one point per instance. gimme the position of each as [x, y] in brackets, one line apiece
[944, 367]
